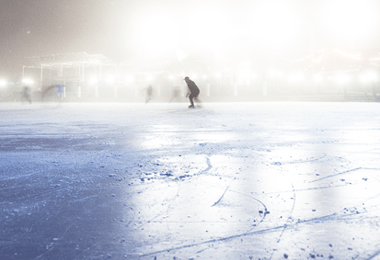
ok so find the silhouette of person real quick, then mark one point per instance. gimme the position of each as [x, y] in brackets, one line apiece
[47, 90]
[175, 94]
[26, 94]
[193, 91]
[149, 94]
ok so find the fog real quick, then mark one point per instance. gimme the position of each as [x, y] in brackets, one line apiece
[220, 43]
[101, 156]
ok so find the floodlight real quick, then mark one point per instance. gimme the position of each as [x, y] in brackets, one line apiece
[130, 78]
[280, 74]
[244, 73]
[110, 79]
[3, 82]
[369, 76]
[93, 80]
[27, 81]
[275, 23]
[171, 77]
[318, 77]
[342, 78]
[272, 73]
[275, 73]
[214, 28]
[372, 76]
[296, 77]
[155, 33]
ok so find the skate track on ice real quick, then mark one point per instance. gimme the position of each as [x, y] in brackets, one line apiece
[159, 181]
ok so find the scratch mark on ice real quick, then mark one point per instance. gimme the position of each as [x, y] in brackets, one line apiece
[333, 175]
[373, 256]
[223, 194]
[257, 232]
[208, 167]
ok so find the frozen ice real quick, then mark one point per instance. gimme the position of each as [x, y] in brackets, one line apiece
[260, 180]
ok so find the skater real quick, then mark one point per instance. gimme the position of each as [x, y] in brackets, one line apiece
[193, 91]
[149, 94]
[47, 91]
[175, 94]
[26, 94]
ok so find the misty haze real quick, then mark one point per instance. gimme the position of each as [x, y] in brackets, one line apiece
[189, 129]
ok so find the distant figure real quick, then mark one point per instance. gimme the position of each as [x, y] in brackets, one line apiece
[175, 94]
[47, 90]
[149, 94]
[193, 91]
[59, 91]
[26, 94]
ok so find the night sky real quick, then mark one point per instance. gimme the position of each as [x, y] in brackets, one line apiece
[113, 28]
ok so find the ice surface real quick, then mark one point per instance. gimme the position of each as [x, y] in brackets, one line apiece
[160, 181]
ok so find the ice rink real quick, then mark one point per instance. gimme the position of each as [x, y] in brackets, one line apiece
[265, 180]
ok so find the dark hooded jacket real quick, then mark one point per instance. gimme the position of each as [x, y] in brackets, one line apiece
[192, 87]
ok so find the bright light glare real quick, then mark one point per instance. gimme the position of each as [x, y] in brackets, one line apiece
[275, 24]
[3, 83]
[209, 27]
[129, 78]
[318, 77]
[296, 77]
[369, 77]
[156, 33]
[27, 81]
[342, 78]
[93, 80]
[350, 19]
[244, 73]
[110, 79]
[275, 73]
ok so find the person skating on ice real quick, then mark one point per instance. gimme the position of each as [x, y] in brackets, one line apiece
[149, 94]
[26, 94]
[193, 91]
[175, 94]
